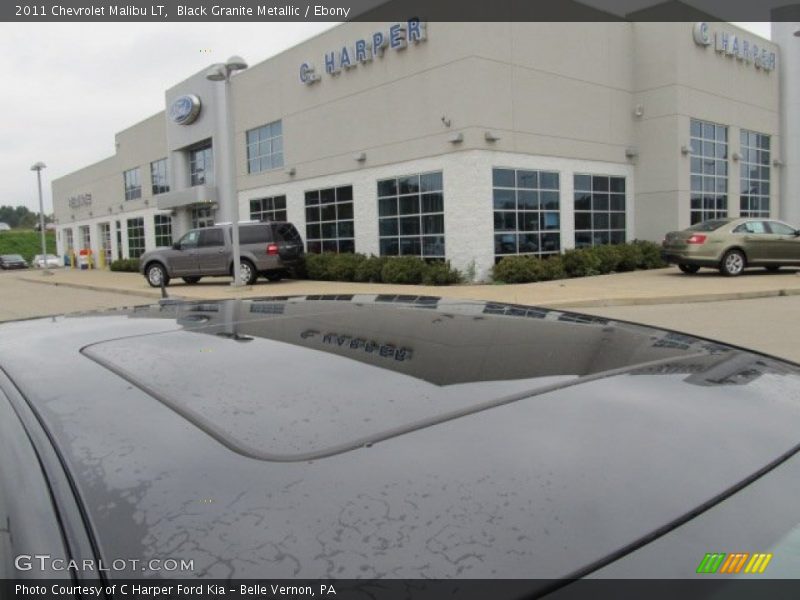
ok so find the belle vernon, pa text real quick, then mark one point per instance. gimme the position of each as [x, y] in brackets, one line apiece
[155, 590]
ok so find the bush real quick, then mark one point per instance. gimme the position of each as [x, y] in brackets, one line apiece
[127, 265]
[318, 266]
[649, 255]
[553, 268]
[403, 269]
[518, 269]
[608, 257]
[630, 257]
[580, 263]
[369, 270]
[441, 273]
[343, 267]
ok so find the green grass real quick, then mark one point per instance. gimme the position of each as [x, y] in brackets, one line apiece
[26, 243]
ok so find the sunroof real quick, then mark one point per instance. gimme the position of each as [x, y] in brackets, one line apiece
[290, 380]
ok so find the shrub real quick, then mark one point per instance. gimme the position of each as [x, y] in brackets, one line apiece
[650, 255]
[369, 270]
[553, 268]
[128, 265]
[441, 273]
[518, 269]
[317, 266]
[343, 267]
[580, 263]
[630, 257]
[608, 257]
[403, 269]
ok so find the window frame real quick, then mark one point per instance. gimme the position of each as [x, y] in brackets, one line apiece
[260, 138]
[428, 245]
[323, 200]
[132, 183]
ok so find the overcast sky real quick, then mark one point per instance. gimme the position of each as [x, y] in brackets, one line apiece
[68, 88]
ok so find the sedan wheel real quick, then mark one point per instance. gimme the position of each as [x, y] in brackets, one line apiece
[688, 269]
[733, 263]
[156, 275]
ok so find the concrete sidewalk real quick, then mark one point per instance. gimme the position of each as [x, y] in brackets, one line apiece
[660, 286]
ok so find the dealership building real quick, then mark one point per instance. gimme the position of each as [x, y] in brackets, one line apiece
[462, 141]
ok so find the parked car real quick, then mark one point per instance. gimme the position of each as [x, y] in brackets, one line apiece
[392, 437]
[732, 245]
[12, 261]
[46, 261]
[4, 226]
[271, 249]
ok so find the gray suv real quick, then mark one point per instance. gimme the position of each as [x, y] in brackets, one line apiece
[271, 249]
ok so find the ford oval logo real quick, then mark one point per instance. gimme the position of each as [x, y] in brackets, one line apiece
[184, 109]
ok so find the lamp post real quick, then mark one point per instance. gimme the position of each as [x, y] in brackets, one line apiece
[222, 72]
[38, 168]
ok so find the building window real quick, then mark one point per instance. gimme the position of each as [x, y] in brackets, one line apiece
[69, 240]
[265, 147]
[201, 165]
[105, 241]
[85, 238]
[163, 229]
[135, 237]
[599, 210]
[411, 216]
[202, 216]
[158, 176]
[268, 209]
[755, 174]
[527, 218]
[709, 171]
[133, 183]
[329, 220]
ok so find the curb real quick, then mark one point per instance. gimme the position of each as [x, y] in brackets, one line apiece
[557, 304]
[98, 288]
[685, 299]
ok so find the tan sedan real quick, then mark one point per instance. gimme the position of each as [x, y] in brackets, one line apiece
[732, 245]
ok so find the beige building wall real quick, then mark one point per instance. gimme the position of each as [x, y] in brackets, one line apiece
[677, 80]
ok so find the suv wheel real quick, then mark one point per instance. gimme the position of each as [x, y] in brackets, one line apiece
[247, 272]
[688, 269]
[733, 263]
[156, 275]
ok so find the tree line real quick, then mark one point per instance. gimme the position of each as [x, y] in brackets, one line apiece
[20, 217]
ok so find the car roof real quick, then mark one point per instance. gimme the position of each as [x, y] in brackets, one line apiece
[403, 436]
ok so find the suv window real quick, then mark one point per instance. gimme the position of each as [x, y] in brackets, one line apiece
[254, 234]
[780, 228]
[751, 227]
[189, 240]
[211, 237]
[288, 233]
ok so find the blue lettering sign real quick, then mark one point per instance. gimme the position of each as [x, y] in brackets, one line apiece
[330, 63]
[363, 51]
[397, 37]
[416, 30]
[378, 43]
[344, 58]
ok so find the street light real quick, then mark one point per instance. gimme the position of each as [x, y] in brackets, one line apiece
[38, 168]
[222, 72]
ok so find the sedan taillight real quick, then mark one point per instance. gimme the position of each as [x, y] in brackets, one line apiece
[696, 239]
[272, 249]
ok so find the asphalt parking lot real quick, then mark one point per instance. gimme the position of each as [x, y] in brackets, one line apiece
[756, 310]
